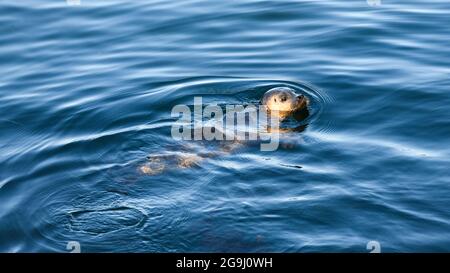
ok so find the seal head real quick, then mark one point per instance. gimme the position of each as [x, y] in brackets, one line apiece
[284, 101]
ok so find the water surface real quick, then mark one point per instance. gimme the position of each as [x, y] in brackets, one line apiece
[86, 93]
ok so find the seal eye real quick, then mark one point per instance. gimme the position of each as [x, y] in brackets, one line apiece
[283, 99]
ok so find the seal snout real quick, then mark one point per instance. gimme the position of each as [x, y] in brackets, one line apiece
[302, 101]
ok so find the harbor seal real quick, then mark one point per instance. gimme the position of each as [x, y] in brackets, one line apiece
[280, 102]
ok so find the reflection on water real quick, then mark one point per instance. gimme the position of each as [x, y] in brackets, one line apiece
[86, 95]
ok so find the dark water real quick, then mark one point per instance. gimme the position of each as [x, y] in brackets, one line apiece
[86, 93]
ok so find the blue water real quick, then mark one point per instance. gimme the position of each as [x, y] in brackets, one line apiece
[86, 94]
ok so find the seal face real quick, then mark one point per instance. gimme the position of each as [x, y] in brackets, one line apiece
[284, 101]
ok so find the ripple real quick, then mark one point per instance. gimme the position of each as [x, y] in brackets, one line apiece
[106, 220]
[87, 93]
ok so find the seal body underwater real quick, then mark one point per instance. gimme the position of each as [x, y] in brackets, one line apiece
[280, 102]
